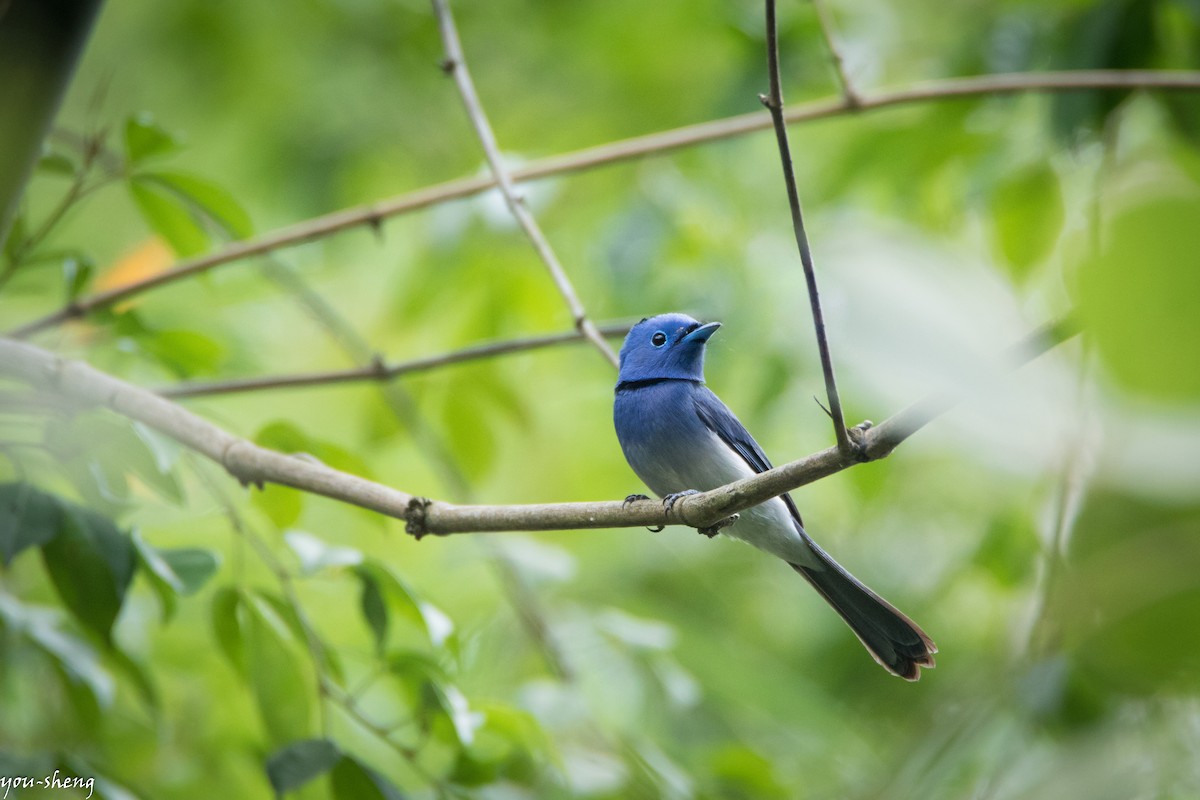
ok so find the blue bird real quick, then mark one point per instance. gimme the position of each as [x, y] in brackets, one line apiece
[680, 438]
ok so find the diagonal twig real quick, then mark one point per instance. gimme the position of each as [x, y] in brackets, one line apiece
[251, 464]
[372, 214]
[849, 94]
[774, 103]
[456, 65]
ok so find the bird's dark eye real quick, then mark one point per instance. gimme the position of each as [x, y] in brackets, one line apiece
[658, 339]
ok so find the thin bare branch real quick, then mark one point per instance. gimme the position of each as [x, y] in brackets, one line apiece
[774, 103]
[657, 143]
[456, 65]
[382, 371]
[849, 94]
[252, 464]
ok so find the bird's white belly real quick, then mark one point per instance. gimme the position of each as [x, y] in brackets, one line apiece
[705, 465]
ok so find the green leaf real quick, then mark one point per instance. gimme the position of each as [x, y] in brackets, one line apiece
[448, 700]
[53, 163]
[144, 138]
[284, 437]
[298, 763]
[90, 563]
[186, 353]
[16, 234]
[78, 660]
[316, 555]
[227, 626]
[282, 505]
[281, 686]
[374, 609]
[77, 272]
[352, 780]
[29, 517]
[1027, 216]
[331, 662]
[175, 572]
[193, 566]
[509, 742]
[138, 675]
[440, 710]
[207, 198]
[169, 217]
[386, 597]
[163, 580]
[1137, 298]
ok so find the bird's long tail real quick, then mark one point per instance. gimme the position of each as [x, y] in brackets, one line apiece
[893, 640]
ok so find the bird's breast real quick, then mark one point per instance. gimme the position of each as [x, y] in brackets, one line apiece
[668, 445]
[671, 449]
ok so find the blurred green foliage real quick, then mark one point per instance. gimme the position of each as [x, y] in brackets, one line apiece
[174, 635]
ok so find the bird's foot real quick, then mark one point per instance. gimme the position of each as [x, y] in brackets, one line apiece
[716, 527]
[670, 500]
[634, 498]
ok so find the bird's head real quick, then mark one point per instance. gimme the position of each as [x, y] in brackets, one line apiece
[666, 346]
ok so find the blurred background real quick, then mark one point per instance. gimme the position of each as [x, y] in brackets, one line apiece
[176, 635]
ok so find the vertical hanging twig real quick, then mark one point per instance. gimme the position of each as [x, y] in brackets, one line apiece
[456, 66]
[774, 103]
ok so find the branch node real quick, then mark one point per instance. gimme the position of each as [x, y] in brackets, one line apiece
[54, 372]
[234, 468]
[414, 517]
[375, 222]
[857, 437]
[715, 528]
[767, 102]
[448, 65]
[379, 367]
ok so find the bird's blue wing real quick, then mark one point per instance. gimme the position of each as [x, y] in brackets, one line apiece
[717, 417]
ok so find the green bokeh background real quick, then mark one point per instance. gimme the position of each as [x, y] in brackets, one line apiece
[1046, 532]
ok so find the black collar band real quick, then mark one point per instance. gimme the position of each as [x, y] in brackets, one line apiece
[625, 386]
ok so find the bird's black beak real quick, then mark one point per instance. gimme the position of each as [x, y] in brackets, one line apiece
[701, 334]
